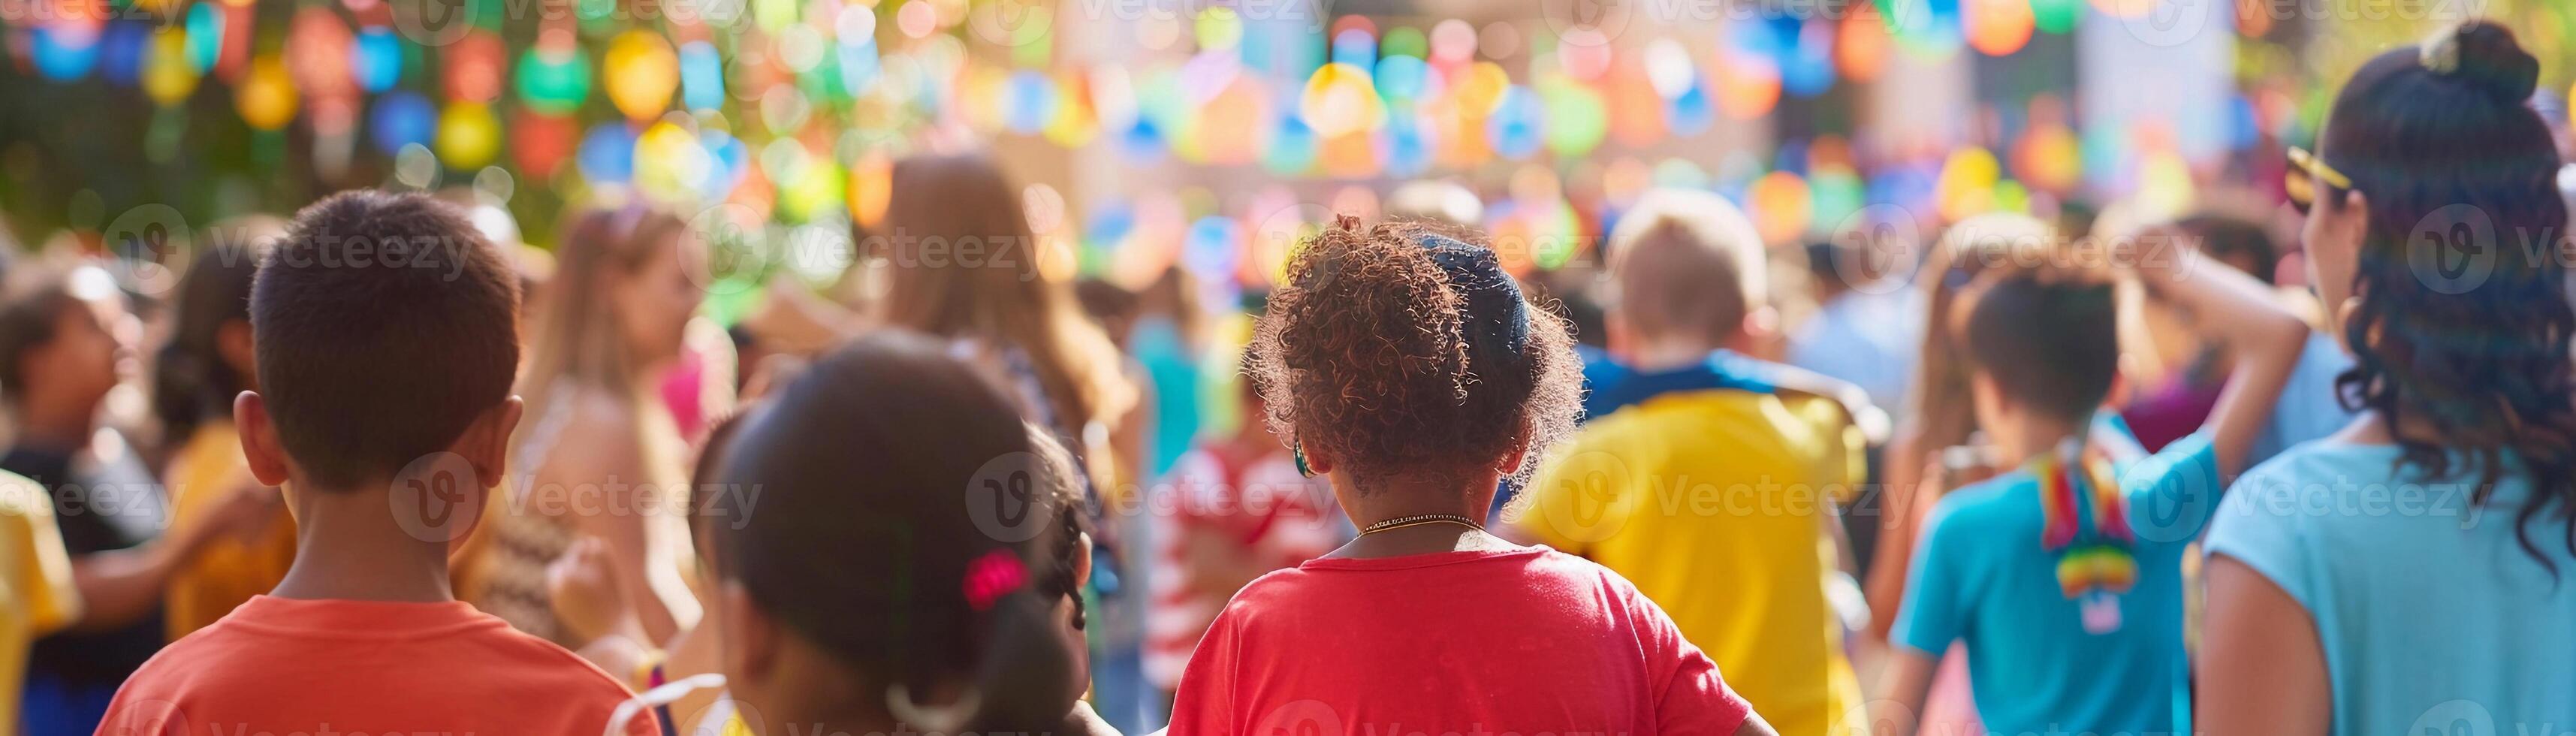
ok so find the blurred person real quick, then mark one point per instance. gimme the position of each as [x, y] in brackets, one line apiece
[2325, 615]
[1437, 201]
[2182, 392]
[387, 427]
[1408, 368]
[2062, 578]
[65, 343]
[600, 454]
[1860, 332]
[1235, 508]
[1746, 584]
[208, 360]
[963, 266]
[967, 620]
[38, 595]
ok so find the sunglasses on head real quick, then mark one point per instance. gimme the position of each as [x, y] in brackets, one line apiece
[2307, 173]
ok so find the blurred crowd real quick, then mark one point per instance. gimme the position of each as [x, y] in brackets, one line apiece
[2301, 461]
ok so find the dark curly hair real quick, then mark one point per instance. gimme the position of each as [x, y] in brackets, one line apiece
[2437, 137]
[1374, 351]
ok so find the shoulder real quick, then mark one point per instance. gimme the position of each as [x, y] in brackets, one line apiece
[1985, 502]
[1842, 402]
[532, 664]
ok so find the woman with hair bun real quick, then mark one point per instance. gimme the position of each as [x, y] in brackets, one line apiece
[1402, 363]
[2411, 572]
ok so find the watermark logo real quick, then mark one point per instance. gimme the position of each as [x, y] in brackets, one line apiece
[1004, 497]
[436, 498]
[2454, 249]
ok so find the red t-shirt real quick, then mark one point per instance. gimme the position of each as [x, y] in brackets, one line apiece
[282, 665]
[1519, 641]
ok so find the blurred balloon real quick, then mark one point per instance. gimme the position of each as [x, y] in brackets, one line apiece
[701, 76]
[608, 153]
[168, 75]
[641, 72]
[401, 118]
[539, 143]
[1340, 98]
[266, 96]
[469, 135]
[1029, 102]
[66, 50]
[377, 58]
[1577, 119]
[1514, 128]
[554, 81]
[121, 47]
[1780, 204]
[1998, 27]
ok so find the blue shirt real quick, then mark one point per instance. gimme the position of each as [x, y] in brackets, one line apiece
[1981, 577]
[2432, 616]
[2308, 408]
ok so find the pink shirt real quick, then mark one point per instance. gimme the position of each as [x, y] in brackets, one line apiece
[1519, 641]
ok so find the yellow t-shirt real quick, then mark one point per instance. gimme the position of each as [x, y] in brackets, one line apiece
[36, 593]
[1714, 503]
[229, 570]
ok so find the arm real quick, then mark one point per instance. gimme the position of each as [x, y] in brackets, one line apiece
[1902, 686]
[2242, 315]
[2262, 669]
[600, 445]
[118, 587]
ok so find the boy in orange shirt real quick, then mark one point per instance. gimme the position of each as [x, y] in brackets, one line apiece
[386, 343]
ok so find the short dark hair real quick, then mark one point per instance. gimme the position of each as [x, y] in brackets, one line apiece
[882, 452]
[30, 311]
[384, 324]
[2046, 337]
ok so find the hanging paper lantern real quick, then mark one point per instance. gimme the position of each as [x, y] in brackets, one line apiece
[539, 144]
[401, 118]
[641, 72]
[1928, 29]
[66, 50]
[554, 80]
[1691, 113]
[120, 53]
[1860, 46]
[168, 76]
[1232, 126]
[1292, 148]
[474, 67]
[1967, 182]
[1401, 77]
[1514, 128]
[1577, 119]
[1406, 147]
[1748, 86]
[671, 165]
[2056, 16]
[266, 96]
[469, 135]
[1780, 204]
[608, 153]
[1341, 99]
[205, 35]
[1998, 27]
[1029, 101]
[701, 76]
[376, 58]
[1834, 194]
[1807, 68]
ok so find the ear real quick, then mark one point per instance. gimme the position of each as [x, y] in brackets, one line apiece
[259, 444]
[1513, 458]
[1081, 563]
[1316, 460]
[486, 442]
[232, 343]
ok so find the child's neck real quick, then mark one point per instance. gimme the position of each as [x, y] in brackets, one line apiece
[2021, 440]
[1668, 355]
[348, 546]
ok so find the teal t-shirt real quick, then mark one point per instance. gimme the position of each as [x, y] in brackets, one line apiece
[2038, 661]
[2433, 617]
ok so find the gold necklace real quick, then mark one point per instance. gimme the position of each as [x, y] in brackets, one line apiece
[1421, 519]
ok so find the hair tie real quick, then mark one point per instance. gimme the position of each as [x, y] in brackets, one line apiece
[1496, 318]
[2441, 52]
[992, 576]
